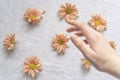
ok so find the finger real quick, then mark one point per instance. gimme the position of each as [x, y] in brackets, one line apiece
[86, 30]
[71, 29]
[82, 46]
[79, 33]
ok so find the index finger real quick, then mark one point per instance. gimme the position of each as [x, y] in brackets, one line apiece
[86, 30]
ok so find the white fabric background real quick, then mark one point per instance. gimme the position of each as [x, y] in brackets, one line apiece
[36, 40]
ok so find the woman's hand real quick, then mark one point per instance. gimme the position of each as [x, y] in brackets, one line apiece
[99, 52]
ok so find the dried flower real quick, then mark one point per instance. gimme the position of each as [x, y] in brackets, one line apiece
[112, 44]
[68, 10]
[98, 23]
[32, 66]
[9, 42]
[33, 15]
[59, 43]
[86, 64]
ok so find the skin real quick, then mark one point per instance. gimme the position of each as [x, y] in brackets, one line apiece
[99, 52]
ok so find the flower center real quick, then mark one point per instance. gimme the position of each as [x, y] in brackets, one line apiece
[68, 11]
[32, 16]
[12, 42]
[88, 62]
[61, 42]
[32, 66]
[97, 22]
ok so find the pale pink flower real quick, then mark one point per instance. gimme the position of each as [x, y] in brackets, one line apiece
[86, 64]
[9, 42]
[33, 15]
[98, 23]
[68, 10]
[32, 66]
[59, 43]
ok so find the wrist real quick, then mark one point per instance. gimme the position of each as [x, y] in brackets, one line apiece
[113, 66]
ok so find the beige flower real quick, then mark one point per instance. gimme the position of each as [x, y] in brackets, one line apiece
[32, 66]
[112, 44]
[86, 64]
[68, 10]
[33, 15]
[9, 42]
[98, 23]
[59, 43]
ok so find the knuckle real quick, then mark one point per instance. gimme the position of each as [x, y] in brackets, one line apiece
[79, 44]
[98, 36]
[93, 56]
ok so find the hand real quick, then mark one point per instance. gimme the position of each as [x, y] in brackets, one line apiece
[99, 52]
